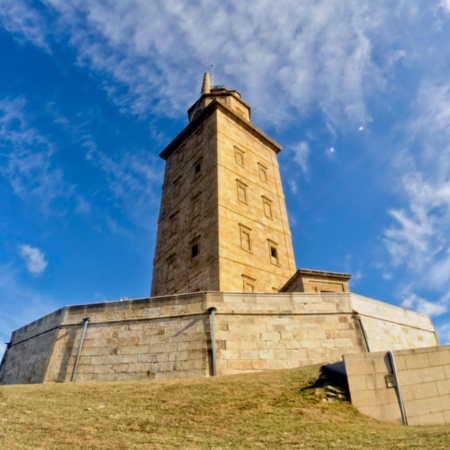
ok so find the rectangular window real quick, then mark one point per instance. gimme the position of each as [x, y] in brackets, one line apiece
[197, 168]
[262, 172]
[195, 206]
[246, 243]
[176, 186]
[249, 284]
[174, 224]
[241, 191]
[180, 155]
[239, 156]
[267, 205]
[194, 250]
[170, 267]
[273, 252]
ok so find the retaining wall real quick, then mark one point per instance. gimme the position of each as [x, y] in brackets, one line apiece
[170, 337]
[424, 383]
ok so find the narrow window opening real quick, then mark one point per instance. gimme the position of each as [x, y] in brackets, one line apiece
[170, 268]
[262, 172]
[195, 208]
[176, 186]
[194, 250]
[267, 205]
[241, 191]
[246, 243]
[174, 224]
[273, 253]
[249, 284]
[239, 156]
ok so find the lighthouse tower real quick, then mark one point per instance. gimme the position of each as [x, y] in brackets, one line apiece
[223, 223]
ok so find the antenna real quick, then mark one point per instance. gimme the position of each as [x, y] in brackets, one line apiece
[212, 74]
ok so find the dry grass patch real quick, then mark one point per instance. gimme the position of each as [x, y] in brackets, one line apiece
[256, 411]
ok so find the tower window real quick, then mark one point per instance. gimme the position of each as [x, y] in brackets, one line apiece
[267, 205]
[170, 267]
[196, 206]
[262, 172]
[194, 250]
[273, 252]
[197, 168]
[241, 191]
[176, 186]
[246, 243]
[249, 284]
[239, 156]
[174, 224]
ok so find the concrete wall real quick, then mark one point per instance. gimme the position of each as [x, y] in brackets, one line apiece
[170, 337]
[424, 381]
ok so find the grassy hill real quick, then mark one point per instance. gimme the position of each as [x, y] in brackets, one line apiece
[268, 410]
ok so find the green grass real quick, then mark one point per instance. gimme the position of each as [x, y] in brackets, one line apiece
[268, 410]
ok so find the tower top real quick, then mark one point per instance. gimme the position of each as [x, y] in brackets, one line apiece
[229, 97]
[206, 86]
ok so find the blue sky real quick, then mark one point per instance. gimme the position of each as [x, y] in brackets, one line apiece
[356, 92]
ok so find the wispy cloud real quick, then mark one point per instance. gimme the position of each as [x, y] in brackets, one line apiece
[133, 181]
[419, 235]
[319, 53]
[27, 158]
[421, 229]
[13, 292]
[24, 22]
[444, 333]
[34, 259]
[300, 155]
[432, 309]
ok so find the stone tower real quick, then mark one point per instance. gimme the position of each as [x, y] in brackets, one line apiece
[223, 223]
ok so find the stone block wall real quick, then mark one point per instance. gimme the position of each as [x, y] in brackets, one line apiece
[280, 331]
[389, 327]
[29, 353]
[424, 382]
[260, 211]
[135, 340]
[170, 337]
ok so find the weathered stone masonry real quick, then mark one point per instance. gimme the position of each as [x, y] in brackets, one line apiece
[170, 337]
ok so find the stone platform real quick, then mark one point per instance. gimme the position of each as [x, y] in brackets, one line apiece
[206, 333]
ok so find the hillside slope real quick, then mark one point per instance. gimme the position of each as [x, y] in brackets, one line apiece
[268, 410]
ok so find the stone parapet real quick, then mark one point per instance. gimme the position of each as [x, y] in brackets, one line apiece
[171, 336]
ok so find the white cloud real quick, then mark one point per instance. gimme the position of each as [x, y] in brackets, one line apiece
[34, 259]
[14, 292]
[433, 309]
[301, 152]
[28, 154]
[25, 23]
[134, 182]
[318, 53]
[444, 333]
[420, 230]
[418, 237]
